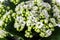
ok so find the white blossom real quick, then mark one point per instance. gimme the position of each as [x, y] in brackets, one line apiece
[30, 4]
[30, 23]
[48, 33]
[21, 21]
[34, 13]
[45, 13]
[19, 12]
[19, 18]
[35, 8]
[46, 5]
[25, 6]
[39, 24]
[16, 25]
[56, 14]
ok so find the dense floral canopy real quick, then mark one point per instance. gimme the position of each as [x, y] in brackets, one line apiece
[36, 16]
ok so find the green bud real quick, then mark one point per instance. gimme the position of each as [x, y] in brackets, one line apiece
[51, 25]
[42, 34]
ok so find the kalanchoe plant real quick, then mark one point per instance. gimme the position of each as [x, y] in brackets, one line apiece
[29, 17]
[35, 15]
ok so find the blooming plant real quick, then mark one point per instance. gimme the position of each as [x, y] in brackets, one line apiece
[29, 17]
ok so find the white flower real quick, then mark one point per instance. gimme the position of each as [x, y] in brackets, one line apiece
[46, 5]
[1, 22]
[55, 8]
[17, 8]
[39, 24]
[19, 18]
[33, 12]
[22, 23]
[32, 18]
[16, 25]
[45, 13]
[56, 14]
[30, 4]
[30, 23]
[35, 8]
[53, 20]
[19, 12]
[25, 6]
[48, 33]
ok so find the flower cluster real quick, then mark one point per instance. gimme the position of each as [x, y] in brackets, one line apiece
[56, 11]
[38, 16]
[4, 15]
[4, 21]
[35, 16]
